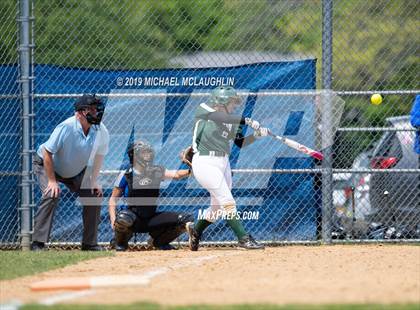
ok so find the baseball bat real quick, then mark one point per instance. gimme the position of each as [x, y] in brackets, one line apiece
[297, 146]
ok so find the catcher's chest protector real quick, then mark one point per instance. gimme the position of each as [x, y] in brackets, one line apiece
[145, 184]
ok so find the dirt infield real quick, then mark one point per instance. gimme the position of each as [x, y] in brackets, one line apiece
[290, 274]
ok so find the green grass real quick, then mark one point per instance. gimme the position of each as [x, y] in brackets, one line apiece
[16, 264]
[145, 306]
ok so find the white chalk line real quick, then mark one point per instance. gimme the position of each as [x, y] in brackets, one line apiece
[11, 305]
[65, 296]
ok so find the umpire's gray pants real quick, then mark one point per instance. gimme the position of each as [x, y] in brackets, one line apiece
[46, 208]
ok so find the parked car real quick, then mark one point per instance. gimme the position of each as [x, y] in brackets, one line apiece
[351, 199]
[395, 197]
[360, 183]
[383, 205]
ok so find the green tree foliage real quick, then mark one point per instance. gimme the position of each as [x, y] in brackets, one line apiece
[8, 32]
[375, 43]
[121, 35]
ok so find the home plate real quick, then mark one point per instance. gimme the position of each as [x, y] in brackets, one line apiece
[82, 283]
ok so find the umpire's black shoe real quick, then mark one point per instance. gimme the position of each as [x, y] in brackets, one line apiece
[96, 248]
[38, 246]
[193, 236]
[249, 243]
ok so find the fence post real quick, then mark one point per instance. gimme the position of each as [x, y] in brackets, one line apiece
[25, 80]
[327, 186]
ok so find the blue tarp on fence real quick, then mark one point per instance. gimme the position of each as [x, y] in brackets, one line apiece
[10, 148]
[289, 203]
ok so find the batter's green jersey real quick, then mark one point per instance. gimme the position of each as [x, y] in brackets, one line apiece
[211, 136]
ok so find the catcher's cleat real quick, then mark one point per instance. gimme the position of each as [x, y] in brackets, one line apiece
[193, 236]
[165, 247]
[112, 243]
[121, 247]
[249, 243]
[95, 247]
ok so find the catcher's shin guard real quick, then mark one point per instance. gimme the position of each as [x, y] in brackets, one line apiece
[123, 233]
[166, 235]
[124, 220]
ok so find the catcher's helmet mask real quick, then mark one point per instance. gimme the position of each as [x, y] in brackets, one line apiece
[87, 101]
[141, 153]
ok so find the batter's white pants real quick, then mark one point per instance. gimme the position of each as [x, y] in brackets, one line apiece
[214, 174]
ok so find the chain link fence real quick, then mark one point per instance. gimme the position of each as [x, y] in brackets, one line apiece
[155, 61]
[10, 129]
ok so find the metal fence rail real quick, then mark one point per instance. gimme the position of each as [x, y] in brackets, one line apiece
[367, 188]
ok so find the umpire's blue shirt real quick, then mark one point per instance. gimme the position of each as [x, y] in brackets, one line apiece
[72, 150]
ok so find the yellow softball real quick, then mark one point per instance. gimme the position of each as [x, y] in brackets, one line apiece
[376, 99]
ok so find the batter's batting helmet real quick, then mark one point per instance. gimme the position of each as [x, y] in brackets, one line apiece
[87, 101]
[223, 95]
[141, 152]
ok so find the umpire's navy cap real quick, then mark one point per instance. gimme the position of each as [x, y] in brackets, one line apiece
[86, 101]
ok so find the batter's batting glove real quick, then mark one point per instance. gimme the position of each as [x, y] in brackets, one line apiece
[261, 132]
[251, 123]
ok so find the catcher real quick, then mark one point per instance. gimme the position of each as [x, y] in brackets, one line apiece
[140, 185]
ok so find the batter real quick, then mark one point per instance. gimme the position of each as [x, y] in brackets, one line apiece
[215, 126]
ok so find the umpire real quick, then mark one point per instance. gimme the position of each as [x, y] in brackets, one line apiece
[72, 155]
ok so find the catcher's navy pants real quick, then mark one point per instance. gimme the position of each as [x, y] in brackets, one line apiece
[163, 227]
[47, 205]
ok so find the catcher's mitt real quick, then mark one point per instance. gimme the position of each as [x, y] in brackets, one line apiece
[186, 155]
